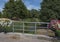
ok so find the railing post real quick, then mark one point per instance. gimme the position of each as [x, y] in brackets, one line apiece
[47, 28]
[13, 27]
[35, 28]
[23, 27]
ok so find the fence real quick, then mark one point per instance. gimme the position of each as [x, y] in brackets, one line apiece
[29, 27]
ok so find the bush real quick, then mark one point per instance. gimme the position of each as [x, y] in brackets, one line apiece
[58, 33]
[32, 20]
[5, 29]
[5, 25]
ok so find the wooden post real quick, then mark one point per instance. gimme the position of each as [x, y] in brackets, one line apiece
[35, 28]
[23, 27]
[47, 30]
[13, 27]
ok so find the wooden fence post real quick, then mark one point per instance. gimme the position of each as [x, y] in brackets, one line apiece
[35, 28]
[13, 27]
[23, 27]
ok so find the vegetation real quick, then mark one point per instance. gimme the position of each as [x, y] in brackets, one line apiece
[50, 9]
[5, 25]
[17, 9]
[34, 13]
[0, 14]
[58, 33]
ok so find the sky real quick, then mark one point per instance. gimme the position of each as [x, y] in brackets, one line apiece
[30, 4]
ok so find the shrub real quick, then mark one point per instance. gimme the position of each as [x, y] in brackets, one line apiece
[58, 32]
[5, 25]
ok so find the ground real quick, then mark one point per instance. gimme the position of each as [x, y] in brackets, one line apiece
[18, 37]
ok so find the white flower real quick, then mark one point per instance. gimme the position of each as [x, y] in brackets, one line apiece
[5, 22]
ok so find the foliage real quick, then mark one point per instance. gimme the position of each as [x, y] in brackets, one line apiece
[58, 32]
[32, 20]
[50, 9]
[34, 13]
[5, 26]
[21, 10]
[0, 14]
[15, 9]
[9, 9]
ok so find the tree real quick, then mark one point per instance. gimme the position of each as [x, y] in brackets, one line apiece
[9, 9]
[34, 13]
[21, 10]
[0, 14]
[15, 9]
[50, 9]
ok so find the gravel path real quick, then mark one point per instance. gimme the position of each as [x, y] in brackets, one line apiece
[13, 37]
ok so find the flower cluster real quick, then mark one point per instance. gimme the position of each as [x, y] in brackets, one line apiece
[5, 22]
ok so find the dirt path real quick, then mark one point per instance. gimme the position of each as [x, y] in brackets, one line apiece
[19, 38]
